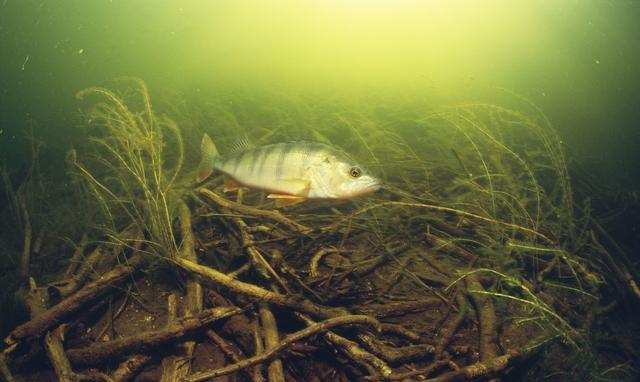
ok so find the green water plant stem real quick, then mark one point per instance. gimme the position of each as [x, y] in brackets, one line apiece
[135, 164]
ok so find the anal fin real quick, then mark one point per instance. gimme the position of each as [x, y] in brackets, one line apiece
[283, 200]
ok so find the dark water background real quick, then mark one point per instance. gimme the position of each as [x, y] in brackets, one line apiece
[576, 60]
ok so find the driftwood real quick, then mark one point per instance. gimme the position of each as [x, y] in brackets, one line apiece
[147, 341]
[58, 313]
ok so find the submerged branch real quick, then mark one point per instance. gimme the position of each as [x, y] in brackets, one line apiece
[271, 353]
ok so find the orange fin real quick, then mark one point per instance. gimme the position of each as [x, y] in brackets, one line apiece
[283, 200]
[230, 184]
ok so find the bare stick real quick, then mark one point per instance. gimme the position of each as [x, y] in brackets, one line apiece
[98, 352]
[260, 294]
[271, 341]
[315, 260]
[450, 329]
[129, 368]
[26, 247]
[74, 262]
[37, 244]
[488, 368]
[55, 351]
[284, 344]
[486, 317]
[396, 355]
[229, 350]
[247, 210]
[257, 259]
[58, 313]
[374, 365]
[4, 369]
[259, 346]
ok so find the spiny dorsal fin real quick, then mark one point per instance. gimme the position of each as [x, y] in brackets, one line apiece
[241, 144]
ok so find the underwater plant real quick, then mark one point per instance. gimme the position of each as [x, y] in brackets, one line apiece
[135, 161]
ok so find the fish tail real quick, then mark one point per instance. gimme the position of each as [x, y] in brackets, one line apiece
[209, 153]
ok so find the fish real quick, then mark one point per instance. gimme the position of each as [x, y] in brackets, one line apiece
[291, 172]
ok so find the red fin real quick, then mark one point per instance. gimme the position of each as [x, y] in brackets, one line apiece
[230, 184]
[283, 200]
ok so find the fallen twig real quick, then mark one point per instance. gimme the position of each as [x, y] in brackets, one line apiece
[148, 341]
[487, 319]
[269, 354]
[271, 341]
[488, 368]
[130, 367]
[261, 294]
[58, 313]
[452, 326]
[256, 212]
[53, 342]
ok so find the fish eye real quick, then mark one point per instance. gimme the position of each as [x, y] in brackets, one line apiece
[355, 172]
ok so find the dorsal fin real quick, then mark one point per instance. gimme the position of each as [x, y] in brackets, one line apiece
[241, 144]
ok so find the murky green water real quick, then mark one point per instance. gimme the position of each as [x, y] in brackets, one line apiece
[533, 101]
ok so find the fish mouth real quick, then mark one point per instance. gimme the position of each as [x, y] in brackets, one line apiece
[371, 187]
[375, 185]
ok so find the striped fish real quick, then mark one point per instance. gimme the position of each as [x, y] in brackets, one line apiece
[291, 172]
